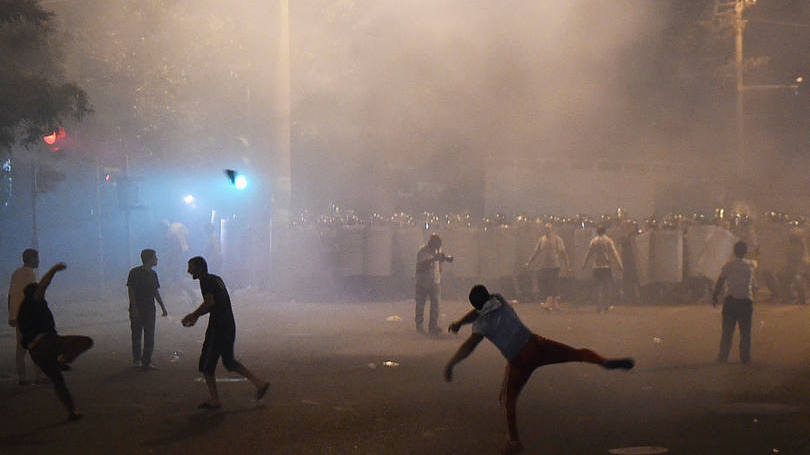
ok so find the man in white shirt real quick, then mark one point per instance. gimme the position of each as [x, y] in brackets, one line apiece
[550, 249]
[738, 305]
[22, 277]
[603, 252]
[428, 282]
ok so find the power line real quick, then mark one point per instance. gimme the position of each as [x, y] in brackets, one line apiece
[789, 24]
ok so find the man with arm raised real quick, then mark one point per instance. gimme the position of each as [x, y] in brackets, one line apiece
[51, 352]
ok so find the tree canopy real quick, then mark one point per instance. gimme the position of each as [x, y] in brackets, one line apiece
[35, 96]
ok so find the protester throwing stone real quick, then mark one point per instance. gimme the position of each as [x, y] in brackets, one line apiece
[493, 318]
[51, 352]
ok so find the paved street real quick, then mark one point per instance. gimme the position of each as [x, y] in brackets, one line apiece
[333, 392]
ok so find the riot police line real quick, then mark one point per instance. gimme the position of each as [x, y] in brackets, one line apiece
[678, 256]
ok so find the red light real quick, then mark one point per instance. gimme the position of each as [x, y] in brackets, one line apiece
[107, 177]
[51, 139]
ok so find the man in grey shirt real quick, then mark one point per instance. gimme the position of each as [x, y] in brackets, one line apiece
[143, 285]
[428, 282]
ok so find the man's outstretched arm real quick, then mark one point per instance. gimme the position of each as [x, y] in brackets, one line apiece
[205, 307]
[463, 351]
[535, 253]
[46, 280]
[468, 318]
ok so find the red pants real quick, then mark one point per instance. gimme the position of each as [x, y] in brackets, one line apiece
[537, 352]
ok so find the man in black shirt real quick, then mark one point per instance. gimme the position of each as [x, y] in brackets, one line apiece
[52, 353]
[220, 334]
[143, 287]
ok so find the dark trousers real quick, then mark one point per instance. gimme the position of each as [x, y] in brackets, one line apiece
[736, 311]
[52, 351]
[142, 325]
[537, 352]
[421, 295]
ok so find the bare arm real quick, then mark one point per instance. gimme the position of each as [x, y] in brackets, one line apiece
[205, 307]
[564, 256]
[468, 318]
[160, 302]
[535, 253]
[754, 284]
[587, 256]
[718, 287]
[616, 256]
[463, 352]
[46, 280]
[133, 307]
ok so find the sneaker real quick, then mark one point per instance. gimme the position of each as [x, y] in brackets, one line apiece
[149, 366]
[435, 331]
[624, 364]
[136, 364]
[419, 329]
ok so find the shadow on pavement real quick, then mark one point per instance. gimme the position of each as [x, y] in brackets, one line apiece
[123, 374]
[199, 424]
[29, 437]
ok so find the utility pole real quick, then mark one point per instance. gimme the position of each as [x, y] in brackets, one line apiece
[739, 27]
[732, 11]
[724, 8]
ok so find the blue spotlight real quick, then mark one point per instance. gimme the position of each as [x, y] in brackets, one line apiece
[240, 182]
[237, 179]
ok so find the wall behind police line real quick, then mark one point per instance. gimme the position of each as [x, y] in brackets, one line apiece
[568, 188]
